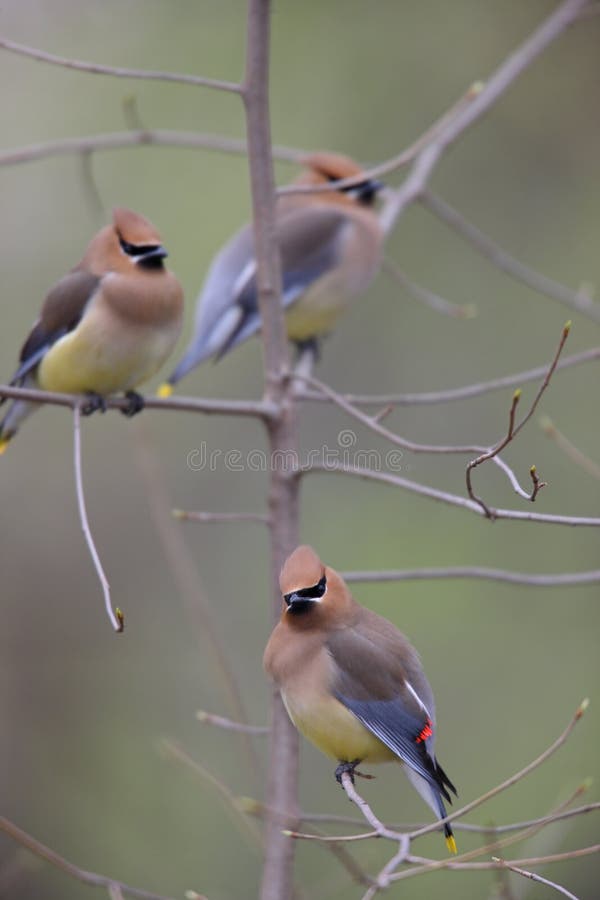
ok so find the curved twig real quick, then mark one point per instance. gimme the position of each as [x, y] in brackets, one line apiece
[117, 620]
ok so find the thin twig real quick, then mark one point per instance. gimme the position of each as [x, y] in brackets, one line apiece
[424, 490]
[157, 137]
[504, 76]
[195, 516]
[117, 71]
[69, 868]
[576, 300]
[116, 617]
[461, 393]
[427, 866]
[395, 162]
[457, 826]
[568, 448]
[245, 825]
[514, 429]
[534, 580]
[228, 724]
[374, 423]
[534, 877]
[509, 782]
[429, 298]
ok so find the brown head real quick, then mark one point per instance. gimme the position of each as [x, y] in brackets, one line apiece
[314, 595]
[130, 244]
[323, 168]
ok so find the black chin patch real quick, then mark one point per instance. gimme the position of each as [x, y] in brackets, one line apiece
[299, 607]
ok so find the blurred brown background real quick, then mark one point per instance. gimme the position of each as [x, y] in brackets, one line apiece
[82, 712]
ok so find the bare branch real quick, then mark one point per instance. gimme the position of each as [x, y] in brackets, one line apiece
[429, 298]
[513, 430]
[460, 393]
[245, 825]
[117, 620]
[530, 767]
[82, 875]
[534, 877]
[563, 16]
[576, 300]
[156, 137]
[396, 162]
[117, 71]
[456, 826]
[534, 580]
[445, 497]
[228, 724]
[374, 423]
[433, 865]
[282, 778]
[188, 516]
[261, 409]
[568, 448]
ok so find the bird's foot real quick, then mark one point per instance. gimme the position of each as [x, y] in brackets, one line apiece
[347, 767]
[93, 403]
[135, 404]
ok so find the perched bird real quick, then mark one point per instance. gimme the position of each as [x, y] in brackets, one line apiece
[351, 682]
[107, 326]
[330, 246]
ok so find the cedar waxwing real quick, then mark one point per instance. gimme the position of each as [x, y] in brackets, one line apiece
[330, 246]
[351, 682]
[105, 327]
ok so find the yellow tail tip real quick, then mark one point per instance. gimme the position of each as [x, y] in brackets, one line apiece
[451, 844]
[165, 390]
[3, 445]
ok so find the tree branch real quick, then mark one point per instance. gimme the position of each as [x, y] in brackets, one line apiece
[461, 393]
[534, 580]
[534, 877]
[212, 518]
[427, 297]
[576, 300]
[514, 429]
[277, 878]
[69, 868]
[228, 724]
[568, 448]
[261, 409]
[116, 71]
[445, 497]
[563, 16]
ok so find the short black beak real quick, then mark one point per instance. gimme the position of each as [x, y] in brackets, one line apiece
[156, 253]
[368, 190]
[291, 598]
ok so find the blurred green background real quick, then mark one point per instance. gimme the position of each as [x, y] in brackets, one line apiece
[82, 712]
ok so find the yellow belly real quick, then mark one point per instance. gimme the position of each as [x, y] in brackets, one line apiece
[316, 311]
[96, 357]
[336, 731]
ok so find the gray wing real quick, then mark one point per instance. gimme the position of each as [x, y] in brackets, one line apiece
[227, 312]
[62, 311]
[391, 698]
